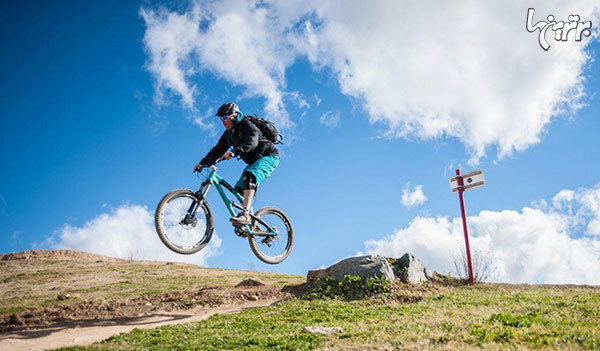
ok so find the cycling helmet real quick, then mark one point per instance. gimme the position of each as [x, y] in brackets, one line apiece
[227, 109]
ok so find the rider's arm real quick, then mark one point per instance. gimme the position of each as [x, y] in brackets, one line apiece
[250, 138]
[216, 151]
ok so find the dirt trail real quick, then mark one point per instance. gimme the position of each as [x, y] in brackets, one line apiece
[55, 298]
[87, 332]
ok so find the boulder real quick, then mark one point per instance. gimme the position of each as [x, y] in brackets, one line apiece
[411, 270]
[316, 274]
[249, 282]
[362, 266]
[408, 269]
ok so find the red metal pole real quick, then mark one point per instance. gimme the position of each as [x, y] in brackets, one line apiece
[459, 179]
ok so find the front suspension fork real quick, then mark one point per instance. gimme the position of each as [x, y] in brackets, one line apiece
[191, 212]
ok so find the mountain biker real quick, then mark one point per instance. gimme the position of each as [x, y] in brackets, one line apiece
[247, 141]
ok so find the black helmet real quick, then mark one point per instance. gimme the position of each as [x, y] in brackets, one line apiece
[227, 109]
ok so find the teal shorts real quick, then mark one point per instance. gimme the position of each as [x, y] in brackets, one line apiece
[261, 169]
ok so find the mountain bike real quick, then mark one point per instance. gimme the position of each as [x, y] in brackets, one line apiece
[184, 221]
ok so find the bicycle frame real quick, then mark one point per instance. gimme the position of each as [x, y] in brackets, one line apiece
[220, 183]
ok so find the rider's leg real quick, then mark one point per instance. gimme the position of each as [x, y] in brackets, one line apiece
[249, 189]
[252, 175]
[243, 217]
[248, 196]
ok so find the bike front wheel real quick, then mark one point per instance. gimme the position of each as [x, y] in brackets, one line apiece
[180, 232]
[272, 250]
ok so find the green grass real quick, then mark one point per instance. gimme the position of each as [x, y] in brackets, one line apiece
[430, 316]
[461, 317]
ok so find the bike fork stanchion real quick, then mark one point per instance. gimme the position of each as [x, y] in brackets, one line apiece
[205, 191]
[191, 213]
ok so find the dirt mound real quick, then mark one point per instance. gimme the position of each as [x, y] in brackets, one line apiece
[249, 282]
[100, 309]
[48, 288]
[58, 255]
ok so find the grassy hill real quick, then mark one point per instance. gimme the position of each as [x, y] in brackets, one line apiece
[442, 315]
[460, 317]
[42, 287]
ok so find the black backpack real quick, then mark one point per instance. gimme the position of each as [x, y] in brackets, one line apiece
[267, 129]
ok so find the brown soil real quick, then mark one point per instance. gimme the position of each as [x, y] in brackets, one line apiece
[100, 309]
[81, 333]
[58, 255]
[61, 305]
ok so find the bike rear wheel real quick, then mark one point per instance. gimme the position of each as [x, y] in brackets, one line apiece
[272, 250]
[180, 234]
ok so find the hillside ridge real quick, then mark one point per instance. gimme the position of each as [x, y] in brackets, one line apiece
[58, 255]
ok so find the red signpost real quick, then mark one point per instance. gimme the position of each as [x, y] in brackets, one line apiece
[459, 179]
[473, 179]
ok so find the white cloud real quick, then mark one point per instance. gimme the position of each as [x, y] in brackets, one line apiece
[15, 237]
[427, 69]
[468, 70]
[317, 99]
[330, 119]
[582, 208]
[297, 99]
[204, 124]
[126, 232]
[235, 40]
[535, 245]
[415, 197]
[169, 41]
[590, 201]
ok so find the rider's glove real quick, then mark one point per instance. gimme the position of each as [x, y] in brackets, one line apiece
[198, 167]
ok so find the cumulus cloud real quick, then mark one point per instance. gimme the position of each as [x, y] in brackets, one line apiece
[414, 197]
[534, 245]
[426, 69]
[169, 40]
[582, 208]
[469, 70]
[126, 232]
[234, 40]
[330, 119]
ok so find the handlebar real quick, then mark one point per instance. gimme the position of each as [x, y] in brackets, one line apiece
[213, 167]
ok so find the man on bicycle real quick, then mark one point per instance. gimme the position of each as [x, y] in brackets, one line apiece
[248, 142]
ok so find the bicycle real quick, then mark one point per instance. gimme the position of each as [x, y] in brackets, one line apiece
[184, 221]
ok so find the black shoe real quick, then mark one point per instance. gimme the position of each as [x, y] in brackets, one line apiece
[243, 218]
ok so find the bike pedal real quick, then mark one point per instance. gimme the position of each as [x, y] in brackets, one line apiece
[267, 241]
[240, 232]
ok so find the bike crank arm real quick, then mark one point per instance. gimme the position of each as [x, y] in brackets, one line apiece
[271, 232]
[262, 234]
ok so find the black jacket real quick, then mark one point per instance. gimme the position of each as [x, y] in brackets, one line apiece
[247, 141]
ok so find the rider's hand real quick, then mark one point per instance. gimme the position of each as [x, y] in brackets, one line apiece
[228, 155]
[198, 167]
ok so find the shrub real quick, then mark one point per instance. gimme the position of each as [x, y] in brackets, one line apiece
[351, 288]
[481, 262]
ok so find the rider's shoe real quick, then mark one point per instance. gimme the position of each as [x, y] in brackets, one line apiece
[243, 218]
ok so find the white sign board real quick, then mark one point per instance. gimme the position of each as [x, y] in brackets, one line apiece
[470, 180]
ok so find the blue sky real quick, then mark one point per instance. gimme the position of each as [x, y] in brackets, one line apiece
[106, 107]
